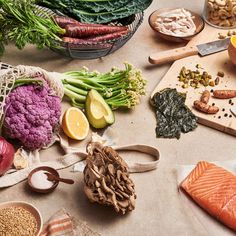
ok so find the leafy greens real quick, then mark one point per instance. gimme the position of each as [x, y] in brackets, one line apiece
[21, 23]
[173, 116]
[97, 11]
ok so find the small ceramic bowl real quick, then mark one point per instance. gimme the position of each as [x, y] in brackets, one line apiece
[198, 21]
[30, 208]
[46, 169]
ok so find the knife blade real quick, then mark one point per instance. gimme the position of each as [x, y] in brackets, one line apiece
[179, 53]
[213, 47]
[233, 110]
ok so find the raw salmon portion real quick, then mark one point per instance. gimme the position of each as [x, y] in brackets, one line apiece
[214, 189]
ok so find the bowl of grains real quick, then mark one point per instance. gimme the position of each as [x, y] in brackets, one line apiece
[19, 219]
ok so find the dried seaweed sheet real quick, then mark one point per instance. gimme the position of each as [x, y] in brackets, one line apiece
[173, 116]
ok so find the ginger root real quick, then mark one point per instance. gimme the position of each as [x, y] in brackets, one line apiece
[205, 96]
[224, 94]
[205, 108]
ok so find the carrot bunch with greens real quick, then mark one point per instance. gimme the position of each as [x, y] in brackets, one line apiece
[119, 88]
[87, 33]
[22, 22]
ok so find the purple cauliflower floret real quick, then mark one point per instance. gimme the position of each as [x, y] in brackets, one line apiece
[31, 115]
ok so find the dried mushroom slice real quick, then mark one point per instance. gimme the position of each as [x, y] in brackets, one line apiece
[107, 179]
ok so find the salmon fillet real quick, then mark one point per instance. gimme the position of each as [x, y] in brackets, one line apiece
[214, 189]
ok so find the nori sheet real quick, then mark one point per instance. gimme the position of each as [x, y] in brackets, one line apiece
[173, 116]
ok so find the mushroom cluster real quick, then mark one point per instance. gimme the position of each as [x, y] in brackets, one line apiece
[107, 179]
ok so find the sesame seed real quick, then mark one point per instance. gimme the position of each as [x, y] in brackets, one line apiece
[15, 221]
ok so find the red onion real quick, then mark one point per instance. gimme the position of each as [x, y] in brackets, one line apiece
[6, 155]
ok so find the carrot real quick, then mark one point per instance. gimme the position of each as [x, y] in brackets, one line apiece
[63, 21]
[105, 37]
[203, 107]
[95, 39]
[83, 31]
[205, 96]
[80, 43]
[224, 94]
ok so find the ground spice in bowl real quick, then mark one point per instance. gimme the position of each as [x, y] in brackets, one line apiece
[17, 221]
[40, 180]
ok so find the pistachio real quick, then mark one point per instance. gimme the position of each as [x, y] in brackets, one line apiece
[212, 83]
[217, 80]
[220, 74]
[198, 66]
[185, 86]
[195, 79]
[229, 33]
[221, 36]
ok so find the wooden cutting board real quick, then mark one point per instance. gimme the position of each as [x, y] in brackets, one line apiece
[212, 64]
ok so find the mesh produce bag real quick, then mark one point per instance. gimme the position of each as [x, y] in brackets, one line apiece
[9, 74]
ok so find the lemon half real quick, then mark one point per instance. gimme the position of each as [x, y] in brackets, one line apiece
[75, 124]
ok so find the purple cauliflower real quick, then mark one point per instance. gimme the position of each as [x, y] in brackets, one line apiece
[31, 115]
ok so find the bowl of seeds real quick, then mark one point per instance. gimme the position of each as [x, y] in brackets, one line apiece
[20, 219]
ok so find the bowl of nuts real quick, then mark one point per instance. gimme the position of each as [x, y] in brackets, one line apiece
[20, 218]
[220, 13]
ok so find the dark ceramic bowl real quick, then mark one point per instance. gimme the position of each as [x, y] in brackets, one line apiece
[47, 169]
[198, 21]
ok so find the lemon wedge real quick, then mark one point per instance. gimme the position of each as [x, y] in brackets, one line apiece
[75, 124]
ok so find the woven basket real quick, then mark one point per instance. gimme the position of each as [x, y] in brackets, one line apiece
[95, 50]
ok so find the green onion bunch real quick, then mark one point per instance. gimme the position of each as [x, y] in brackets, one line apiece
[119, 88]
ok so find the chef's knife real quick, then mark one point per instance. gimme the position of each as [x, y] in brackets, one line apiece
[179, 53]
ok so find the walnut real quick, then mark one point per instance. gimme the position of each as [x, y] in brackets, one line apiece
[107, 179]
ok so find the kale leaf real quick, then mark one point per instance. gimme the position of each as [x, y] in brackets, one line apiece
[95, 11]
[173, 116]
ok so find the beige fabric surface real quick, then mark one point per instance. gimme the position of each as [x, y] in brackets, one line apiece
[74, 155]
[159, 210]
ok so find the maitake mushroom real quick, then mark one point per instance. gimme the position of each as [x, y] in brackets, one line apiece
[107, 179]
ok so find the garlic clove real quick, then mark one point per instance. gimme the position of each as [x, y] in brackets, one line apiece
[20, 159]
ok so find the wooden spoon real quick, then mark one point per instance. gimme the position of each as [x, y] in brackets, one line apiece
[52, 177]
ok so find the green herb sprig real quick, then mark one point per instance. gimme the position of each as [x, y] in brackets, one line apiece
[22, 22]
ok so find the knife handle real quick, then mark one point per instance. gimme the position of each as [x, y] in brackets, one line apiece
[160, 58]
